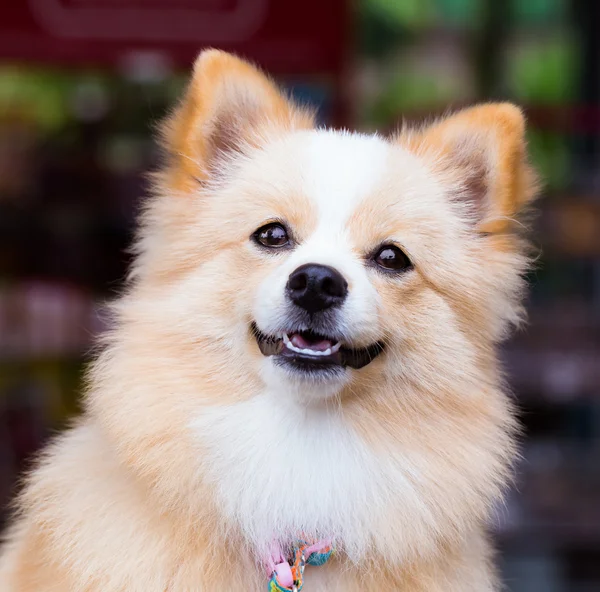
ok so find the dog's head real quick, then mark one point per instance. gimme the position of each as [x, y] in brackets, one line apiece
[368, 279]
[313, 258]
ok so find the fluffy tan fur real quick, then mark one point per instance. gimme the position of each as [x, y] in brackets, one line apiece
[128, 500]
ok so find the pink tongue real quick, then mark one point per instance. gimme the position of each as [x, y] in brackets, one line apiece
[299, 341]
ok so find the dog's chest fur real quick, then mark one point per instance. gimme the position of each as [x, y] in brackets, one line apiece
[282, 471]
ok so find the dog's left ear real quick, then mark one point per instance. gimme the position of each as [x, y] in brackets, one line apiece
[229, 106]
[481, 151]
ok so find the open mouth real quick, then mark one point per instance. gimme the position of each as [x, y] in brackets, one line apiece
[307, 350]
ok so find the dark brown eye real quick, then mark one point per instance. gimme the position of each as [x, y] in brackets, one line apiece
[272, 235]
[391, 258]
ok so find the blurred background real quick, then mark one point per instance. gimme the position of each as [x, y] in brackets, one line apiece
[83, 83]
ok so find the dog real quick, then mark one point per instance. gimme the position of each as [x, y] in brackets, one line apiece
[304, 361]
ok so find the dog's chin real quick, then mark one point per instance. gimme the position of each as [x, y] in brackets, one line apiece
[308, 356]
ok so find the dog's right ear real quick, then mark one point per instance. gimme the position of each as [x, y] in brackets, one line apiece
[228, 107]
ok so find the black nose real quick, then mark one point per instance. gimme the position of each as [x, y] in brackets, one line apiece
[316, 287]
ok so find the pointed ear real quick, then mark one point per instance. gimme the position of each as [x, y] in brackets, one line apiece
[482, 152]
[229, 105]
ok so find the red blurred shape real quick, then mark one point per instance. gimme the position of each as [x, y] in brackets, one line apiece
[285, 36]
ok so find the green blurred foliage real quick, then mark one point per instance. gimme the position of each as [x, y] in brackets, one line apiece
[34, 94]
[549, 151]
[543, 70]
[538, 11]
[379, 32]
[463, 13]
[407, 92]
[404, 13]
[540, 60]
[386, 24]
[45, 96]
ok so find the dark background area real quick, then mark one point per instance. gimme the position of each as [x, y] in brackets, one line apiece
[82, 85]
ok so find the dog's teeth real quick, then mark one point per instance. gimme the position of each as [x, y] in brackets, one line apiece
[291, 346]
[307, 351]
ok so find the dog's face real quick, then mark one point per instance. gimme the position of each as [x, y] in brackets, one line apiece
[314, 259]
[340, 232]
[327, 251]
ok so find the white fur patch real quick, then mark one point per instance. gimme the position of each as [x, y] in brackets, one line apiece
[282, 470]
[341, 169]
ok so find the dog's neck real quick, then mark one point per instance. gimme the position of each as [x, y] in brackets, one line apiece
[282, 469]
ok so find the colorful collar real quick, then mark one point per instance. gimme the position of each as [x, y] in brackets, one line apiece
[286, 574]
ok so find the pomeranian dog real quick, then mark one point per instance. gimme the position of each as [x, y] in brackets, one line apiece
[304, 360]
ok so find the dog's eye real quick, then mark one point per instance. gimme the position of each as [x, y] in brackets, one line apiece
[392, 258]
[272, 235]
